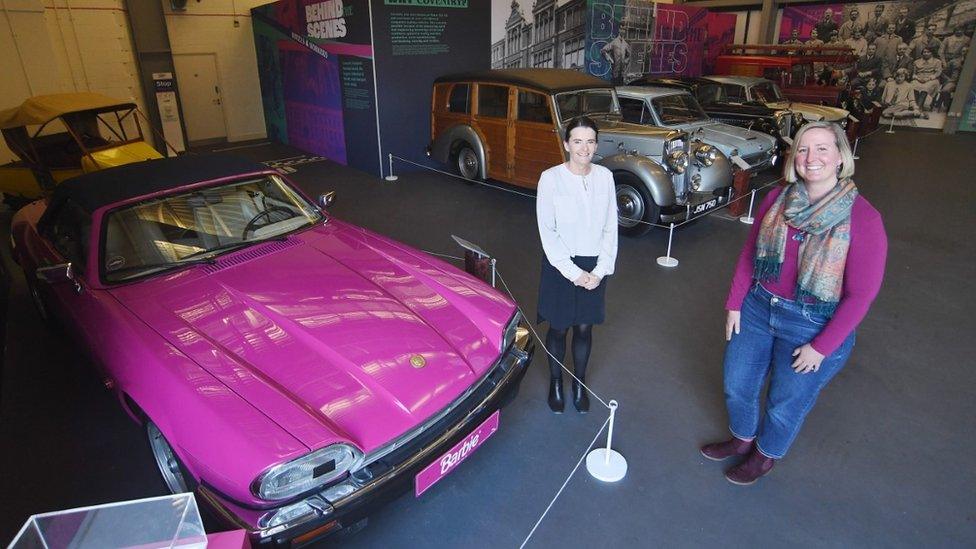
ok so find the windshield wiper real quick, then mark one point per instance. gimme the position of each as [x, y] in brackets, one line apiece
[235, 245]
[162, 265]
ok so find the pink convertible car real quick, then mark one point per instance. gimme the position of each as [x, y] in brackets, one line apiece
[291, 369]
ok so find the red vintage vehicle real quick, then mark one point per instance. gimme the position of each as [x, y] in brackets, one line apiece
[799, 70]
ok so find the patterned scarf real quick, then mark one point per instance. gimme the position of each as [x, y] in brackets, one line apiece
[826, 227]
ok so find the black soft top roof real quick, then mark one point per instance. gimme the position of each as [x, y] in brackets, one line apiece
[101, 188]
[548, 80]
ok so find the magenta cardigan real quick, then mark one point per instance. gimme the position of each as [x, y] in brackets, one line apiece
[863, 271]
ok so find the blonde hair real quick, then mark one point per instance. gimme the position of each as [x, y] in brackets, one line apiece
[840, 139]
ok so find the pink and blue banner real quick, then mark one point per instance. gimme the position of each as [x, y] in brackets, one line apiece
[316, 71]
[627, 39]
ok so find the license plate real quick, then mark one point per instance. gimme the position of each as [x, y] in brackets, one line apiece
[705, 206]
[453, 457]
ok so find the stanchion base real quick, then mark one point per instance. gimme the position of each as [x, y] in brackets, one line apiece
[747, 220]
[667, 261]
[391, 178]
[602, 469]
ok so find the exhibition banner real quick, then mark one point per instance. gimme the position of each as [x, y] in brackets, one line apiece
[927, 40]
[316, 71]
[618, 40]
[416, 42]
[967, 123]
[627, 39]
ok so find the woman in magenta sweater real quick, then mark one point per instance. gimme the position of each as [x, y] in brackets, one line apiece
[804, 281]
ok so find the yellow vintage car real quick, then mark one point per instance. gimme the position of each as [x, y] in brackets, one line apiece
[63, 135]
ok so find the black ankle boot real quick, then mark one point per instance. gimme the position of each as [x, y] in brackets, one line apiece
[556, 401]
[580, 397]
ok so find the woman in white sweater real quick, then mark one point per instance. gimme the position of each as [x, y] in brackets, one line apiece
[576, 208]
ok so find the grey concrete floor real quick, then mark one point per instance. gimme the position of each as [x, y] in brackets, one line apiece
[886, 459]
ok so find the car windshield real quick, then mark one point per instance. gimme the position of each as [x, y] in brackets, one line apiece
[708, 94]
[678, 109]
[99, 130]
[586, 102]
[187, 228]
[766, 92]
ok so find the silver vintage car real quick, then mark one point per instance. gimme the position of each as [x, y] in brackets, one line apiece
[678, 109]
[752, 89]
[508, 125]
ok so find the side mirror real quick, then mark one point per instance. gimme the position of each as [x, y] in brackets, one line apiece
[326, 200]
[56, 274]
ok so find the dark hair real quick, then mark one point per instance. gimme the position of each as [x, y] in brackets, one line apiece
[580, 122]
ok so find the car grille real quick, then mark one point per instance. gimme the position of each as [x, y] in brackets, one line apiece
[377, 461]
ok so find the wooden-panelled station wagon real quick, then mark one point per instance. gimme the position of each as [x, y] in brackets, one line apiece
[508, 125]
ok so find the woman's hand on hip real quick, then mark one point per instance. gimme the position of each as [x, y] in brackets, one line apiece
[732, 324]
[807, 359]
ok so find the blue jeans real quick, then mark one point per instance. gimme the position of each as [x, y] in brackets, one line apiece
[771, 328]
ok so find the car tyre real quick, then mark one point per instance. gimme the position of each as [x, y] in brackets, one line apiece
[467, 162]
[177, 479]
[635, 206]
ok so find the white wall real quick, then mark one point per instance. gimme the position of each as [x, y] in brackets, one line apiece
[223, 28]
[54, 46]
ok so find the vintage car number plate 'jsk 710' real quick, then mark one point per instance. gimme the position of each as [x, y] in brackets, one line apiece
[453, 457]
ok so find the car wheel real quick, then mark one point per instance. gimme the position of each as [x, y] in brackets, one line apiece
[635, 206]
[468, 163]
[175, 475]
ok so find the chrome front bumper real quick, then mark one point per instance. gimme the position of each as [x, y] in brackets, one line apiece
[386, 477]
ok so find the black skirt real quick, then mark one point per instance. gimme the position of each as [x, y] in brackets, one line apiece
[564, 304]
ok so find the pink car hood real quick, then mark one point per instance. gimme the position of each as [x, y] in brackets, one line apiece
[336, 334]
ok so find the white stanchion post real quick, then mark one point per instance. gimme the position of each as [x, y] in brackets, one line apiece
[854, 152]
[493, 270]
[891, 127]
[607, 464]
[667, 260]
[391, 177]
[748, 219]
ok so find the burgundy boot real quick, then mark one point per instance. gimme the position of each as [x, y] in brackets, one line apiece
[749, 471]
[717, 451]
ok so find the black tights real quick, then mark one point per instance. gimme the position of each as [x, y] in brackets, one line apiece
[556, 343]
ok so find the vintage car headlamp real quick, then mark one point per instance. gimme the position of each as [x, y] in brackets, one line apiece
[515, 331]
[706, 154]
[696, 182]
[798, 120]
[678, 161]
[307, 472]
[843, 123]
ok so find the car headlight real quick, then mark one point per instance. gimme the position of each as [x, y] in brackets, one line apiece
[678, 161]
[798, 119]
[514, 331]
[706, 154]
[306, 473]
[843, 123]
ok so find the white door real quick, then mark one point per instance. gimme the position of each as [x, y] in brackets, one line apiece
[199, 87]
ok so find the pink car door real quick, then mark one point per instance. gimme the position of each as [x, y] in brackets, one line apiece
[64, 239]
